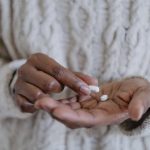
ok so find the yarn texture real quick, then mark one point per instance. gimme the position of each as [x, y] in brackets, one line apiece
[108, 39]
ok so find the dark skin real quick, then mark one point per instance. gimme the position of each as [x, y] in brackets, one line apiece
[41, 76]
[128, 98]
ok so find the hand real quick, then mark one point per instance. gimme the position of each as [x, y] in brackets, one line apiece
[42, 75]
[128, 98]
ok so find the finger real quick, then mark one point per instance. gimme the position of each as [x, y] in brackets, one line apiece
[47, 103]
[81, 98]
[61, 112]
[25, 105]
[71, 101]
[139, 104]
[80, 117]
[68, 100]
[86, 78]
[80, 101]
[122, 98]
[45, 82]
[29, 91]
[60, 73]
[75, 105]
[89, 104]
[120, 94]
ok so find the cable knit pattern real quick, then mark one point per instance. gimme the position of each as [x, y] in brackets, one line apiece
[108, 39]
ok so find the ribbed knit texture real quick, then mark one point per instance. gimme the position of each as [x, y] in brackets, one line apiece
[109, 39]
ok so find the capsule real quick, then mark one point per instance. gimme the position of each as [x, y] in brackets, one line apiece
[94, 88]
[104, 98]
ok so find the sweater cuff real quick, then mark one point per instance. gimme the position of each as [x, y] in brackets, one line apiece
[137, 128]
[8, 105]
[15, 65]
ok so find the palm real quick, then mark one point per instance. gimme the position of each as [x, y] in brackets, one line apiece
[87, 111]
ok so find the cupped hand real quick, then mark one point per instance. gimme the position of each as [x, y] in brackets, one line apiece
[129, 98]
[42, 75]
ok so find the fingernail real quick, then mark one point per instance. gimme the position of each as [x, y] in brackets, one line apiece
[85, 90]
[135, 116]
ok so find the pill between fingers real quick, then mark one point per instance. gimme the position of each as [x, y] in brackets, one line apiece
[93, 88]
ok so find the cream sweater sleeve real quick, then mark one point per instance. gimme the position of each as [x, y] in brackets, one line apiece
[8, 106]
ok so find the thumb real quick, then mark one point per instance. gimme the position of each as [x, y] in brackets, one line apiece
[139, 104]
[86, 78]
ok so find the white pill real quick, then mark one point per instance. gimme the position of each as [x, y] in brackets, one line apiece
[94, 88]
[104, 98]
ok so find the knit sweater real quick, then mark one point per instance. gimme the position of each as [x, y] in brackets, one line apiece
[108, 39]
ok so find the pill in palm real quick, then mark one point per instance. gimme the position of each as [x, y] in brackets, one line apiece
[94, 88]
[104, 98]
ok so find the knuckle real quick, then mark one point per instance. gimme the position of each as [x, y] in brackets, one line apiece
[35, 57]
[50, 85]
[47, 86]
[36, 95]
[76, 84]
[124, 96]
[58, 72]
[21, 71]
